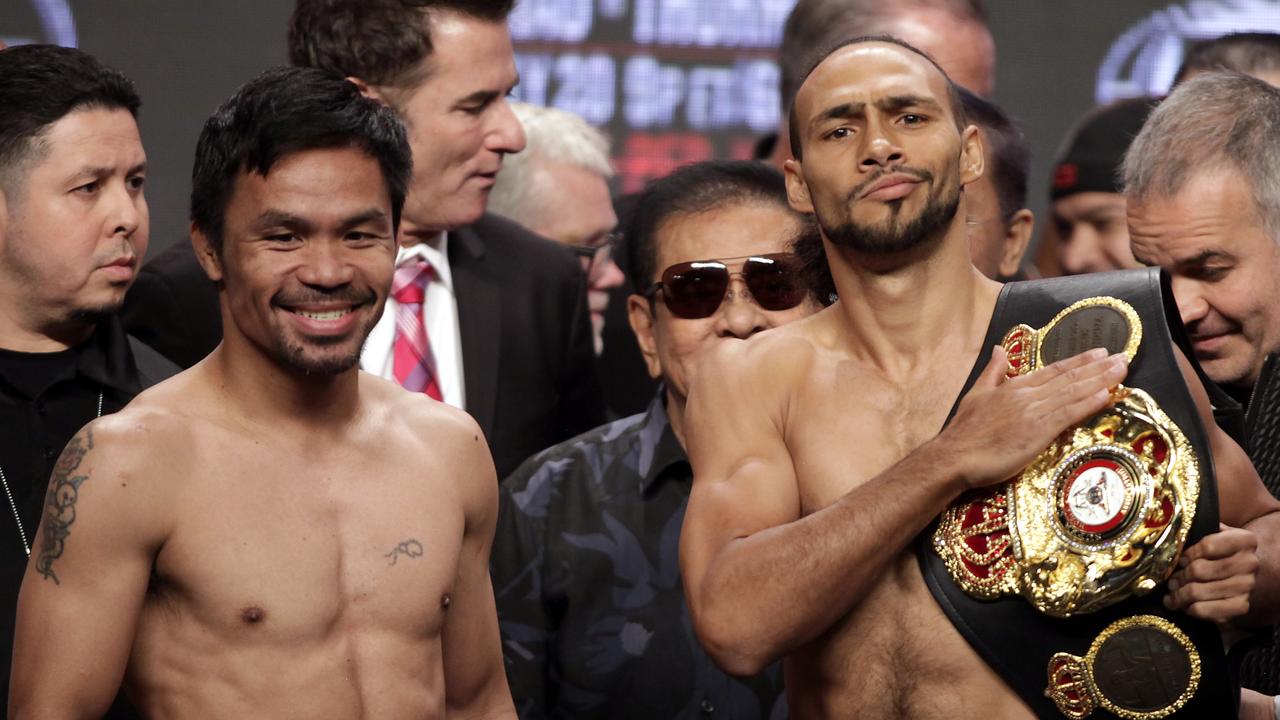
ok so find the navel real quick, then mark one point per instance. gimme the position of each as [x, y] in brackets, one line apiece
[445, 601]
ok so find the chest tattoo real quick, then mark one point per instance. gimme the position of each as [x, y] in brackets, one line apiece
[409, 548]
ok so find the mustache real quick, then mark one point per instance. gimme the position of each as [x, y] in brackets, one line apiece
[918, 173]
[344, 294]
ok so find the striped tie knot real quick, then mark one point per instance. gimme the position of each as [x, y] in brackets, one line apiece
[408, 287]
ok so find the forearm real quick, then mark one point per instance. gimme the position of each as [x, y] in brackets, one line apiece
[1264, 600]
[775, 590]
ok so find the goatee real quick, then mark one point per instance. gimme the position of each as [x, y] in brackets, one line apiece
[892, 236]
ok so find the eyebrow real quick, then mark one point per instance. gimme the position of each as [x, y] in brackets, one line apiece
[278, 218]
[368, 216]
[486, 96]
[105, 170]
[891, 103]
[1204, 256]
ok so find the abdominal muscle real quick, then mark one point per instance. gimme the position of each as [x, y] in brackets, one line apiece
[342, 669]
[896, 657]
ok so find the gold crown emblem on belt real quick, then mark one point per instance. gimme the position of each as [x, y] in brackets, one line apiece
[1103, 512]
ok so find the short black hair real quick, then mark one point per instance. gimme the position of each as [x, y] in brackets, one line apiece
[1247, 53]
[382, 42]
[1007, 150]
[689, 190]
[40, 85]
[953, 90]
[814, 24]
[285, 111]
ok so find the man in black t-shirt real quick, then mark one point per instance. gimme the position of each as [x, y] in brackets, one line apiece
[73, 228]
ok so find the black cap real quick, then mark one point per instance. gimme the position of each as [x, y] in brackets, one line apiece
[1090, 160]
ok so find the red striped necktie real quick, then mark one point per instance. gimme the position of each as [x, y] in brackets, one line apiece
[413, 366]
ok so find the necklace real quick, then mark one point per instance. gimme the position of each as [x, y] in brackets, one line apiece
[22, 533]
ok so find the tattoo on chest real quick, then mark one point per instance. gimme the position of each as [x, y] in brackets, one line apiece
[409, 548]
[60, 503]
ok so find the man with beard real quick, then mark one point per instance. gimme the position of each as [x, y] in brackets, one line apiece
[816, 447]
[274, 533]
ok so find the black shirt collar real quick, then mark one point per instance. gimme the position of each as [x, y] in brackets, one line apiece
[105, 358]
[657, 437]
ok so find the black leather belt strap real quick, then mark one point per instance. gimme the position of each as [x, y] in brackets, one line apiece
[1260, 667]
[1014, 638]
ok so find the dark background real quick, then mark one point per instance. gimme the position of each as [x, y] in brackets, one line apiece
[186, 57]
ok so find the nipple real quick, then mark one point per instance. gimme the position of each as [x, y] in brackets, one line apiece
[253, 615]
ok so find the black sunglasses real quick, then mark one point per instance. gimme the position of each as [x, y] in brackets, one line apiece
[694, 290]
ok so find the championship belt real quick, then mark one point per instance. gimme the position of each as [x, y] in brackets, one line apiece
[1103, 512]
[1056, 577]
[1139, 667]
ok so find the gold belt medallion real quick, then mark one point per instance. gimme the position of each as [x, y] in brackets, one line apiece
[1138, 668]
[1103, 512]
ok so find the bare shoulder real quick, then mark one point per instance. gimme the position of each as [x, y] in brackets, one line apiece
[443, 425]
[120, 476]
[769, 363]
[148, 437]
[439, 435]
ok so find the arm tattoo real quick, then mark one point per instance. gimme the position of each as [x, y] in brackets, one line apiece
[60, 503]
[408, 548]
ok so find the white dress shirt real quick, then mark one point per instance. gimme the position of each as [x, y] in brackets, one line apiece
[440, 313]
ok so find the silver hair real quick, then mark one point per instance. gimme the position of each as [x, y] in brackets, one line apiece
[552, 135]
[1212, 122]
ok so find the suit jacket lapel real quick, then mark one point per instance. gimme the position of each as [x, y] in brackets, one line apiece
[479, 324]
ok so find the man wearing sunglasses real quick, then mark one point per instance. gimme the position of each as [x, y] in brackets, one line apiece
[584, 563]
[817, 452]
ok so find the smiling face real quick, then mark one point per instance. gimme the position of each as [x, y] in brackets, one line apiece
[75, 225]
[307, 259]
[459, 123]
[1224, 266]
[883, 161]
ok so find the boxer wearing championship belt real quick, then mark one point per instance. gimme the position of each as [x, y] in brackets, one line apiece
[1080, 539]
[1100, 514]
[819, 462]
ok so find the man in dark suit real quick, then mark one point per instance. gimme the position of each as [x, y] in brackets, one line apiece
[494, 318]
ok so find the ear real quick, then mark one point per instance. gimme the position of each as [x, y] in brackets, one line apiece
[1017, 236]
[206, 255]
[797, 189]
[972, 160]
[642, 325]
[367, 90]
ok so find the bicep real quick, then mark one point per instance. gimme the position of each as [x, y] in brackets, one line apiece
[744, 478]
[1241, 495]
[85, 583]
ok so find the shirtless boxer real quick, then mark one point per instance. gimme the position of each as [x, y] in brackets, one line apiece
[274, 533]
[816, 447]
